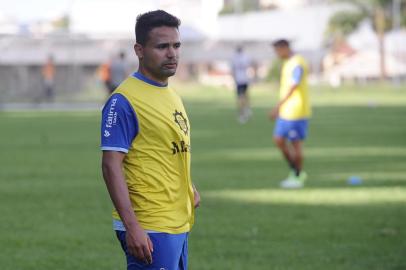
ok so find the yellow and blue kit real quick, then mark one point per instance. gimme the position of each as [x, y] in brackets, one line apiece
[148, 122]
[295, 111]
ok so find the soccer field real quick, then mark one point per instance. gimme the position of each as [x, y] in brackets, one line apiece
[55, 211]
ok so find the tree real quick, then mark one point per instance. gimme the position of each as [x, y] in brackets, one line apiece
[240, 6]
[62, 23]
[379, 12]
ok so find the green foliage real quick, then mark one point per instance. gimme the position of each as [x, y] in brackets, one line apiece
[227, 9]
[345, 22]
[235, 6]
[62, 23]
[55, 210]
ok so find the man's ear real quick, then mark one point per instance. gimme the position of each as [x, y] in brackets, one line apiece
[139, 50]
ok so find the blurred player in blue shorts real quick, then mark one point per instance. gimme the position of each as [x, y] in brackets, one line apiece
[145, 139]
[291, 112]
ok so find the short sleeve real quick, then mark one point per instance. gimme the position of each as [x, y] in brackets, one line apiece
[119, 124]
[297, 74]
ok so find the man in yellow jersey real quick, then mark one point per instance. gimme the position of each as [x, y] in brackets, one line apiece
[145, 139]
[291, 112]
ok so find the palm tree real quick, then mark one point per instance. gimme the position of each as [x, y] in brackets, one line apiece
[379, 12]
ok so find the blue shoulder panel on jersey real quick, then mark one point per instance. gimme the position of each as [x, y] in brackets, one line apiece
[297, 74]
[119, 125]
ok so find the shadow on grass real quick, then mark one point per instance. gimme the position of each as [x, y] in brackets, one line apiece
[230, 234]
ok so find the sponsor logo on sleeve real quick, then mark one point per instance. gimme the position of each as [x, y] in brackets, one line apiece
[112, 114]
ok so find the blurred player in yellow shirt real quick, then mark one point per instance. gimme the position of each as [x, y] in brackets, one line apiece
[291, 112]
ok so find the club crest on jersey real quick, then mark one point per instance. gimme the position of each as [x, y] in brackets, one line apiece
[181, 121]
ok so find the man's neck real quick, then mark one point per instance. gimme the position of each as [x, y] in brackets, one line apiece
[149, 79]
[145, 73]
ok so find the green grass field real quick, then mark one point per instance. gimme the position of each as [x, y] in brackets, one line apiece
[55, 211]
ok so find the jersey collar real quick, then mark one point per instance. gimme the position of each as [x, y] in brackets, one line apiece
[141, 77]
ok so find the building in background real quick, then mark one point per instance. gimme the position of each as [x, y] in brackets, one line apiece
[210, 30]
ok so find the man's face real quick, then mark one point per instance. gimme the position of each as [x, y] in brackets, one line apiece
[159, 56]
[281, 52]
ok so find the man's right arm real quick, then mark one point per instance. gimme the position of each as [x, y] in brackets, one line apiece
[119, 127]
[138, 242]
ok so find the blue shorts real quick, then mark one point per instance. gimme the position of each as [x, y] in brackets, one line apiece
[293, 130]
[170, 252]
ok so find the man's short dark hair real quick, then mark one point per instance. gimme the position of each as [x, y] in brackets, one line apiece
[281, 43]
[152, 19]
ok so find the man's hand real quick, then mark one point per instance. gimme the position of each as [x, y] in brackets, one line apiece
[197, 197]
[274, 113]
[139, 244]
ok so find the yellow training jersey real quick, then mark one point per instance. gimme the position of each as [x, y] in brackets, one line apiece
[157, 165]
[297, 106]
